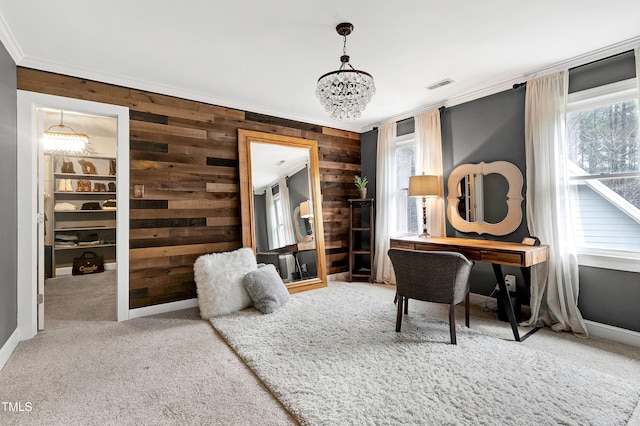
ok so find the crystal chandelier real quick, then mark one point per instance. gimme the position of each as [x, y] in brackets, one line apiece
[345, 93]
[64, 142]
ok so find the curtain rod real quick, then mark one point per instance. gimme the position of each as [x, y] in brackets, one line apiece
[441, 109]
[627, 52]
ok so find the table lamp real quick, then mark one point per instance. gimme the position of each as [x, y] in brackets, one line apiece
[306, 212]
[425, 186]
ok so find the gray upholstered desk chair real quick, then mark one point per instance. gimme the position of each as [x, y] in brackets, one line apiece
[431, 276]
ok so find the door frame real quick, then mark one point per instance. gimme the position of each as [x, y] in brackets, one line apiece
[27, 186]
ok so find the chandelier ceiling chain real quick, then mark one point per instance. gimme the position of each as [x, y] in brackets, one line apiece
[346, 92]
[344, 48]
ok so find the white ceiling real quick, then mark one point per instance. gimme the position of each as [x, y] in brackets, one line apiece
[266, 56]
[270, 163]
[92, 125]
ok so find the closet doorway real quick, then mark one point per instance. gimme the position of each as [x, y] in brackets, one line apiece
[36, 113]
[79, 193]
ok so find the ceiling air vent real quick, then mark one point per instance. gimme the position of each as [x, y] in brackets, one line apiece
[440, 84]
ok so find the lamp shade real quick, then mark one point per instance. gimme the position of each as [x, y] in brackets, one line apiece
[423, 186]
[305, 209]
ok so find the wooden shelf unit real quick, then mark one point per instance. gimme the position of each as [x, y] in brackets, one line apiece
[82, 222]
[361, 239]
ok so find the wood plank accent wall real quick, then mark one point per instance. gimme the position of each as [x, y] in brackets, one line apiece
[186, 155]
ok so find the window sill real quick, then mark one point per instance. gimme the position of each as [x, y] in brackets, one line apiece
[619, 261]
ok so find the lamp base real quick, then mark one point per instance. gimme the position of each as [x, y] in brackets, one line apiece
[425, 230]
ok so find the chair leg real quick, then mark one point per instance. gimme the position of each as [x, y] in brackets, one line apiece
[406, 305]
[452, 323]
[399, 317]
[466, 310]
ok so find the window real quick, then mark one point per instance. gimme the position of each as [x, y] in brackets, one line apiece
[406, 209]
[604, 167]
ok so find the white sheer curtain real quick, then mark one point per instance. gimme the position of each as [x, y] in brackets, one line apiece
[287, 213]
[554, 284]
[272, 224]
[287, 222]
[637, 53]
[385, 203]
[429, 161]
[288, 233]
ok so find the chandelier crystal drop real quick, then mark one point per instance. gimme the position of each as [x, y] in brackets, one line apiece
[346, 92]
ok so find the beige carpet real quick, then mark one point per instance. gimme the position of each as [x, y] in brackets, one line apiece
[80, 298]
[170, 369]
[175, 369]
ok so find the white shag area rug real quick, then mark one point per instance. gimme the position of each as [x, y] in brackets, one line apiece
[332, 357]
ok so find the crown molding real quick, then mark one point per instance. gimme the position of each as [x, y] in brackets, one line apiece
[575, 61]
[9, 41]
[84, 73]
[19, 58]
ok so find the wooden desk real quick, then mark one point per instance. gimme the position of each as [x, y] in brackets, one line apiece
[294, 249]
[497, 253]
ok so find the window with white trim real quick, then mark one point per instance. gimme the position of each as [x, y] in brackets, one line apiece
[604, 168]
[406, 208]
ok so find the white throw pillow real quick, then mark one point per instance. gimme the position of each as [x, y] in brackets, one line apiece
[218, 278]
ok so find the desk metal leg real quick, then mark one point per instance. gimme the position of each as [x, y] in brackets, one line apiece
[526, 274]
[506, 300]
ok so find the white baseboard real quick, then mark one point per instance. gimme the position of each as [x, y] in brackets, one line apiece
[595, 329]
[616, 334]
[163, 308]
[8, 348]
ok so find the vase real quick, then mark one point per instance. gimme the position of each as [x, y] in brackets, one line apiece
[363, 193]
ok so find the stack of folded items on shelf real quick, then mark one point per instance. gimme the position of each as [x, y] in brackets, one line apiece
[109, 204]
[63, 207]
[66, 239]
[89, 239]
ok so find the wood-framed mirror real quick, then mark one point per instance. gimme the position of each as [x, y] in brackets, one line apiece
[281, 206]
[475, 187]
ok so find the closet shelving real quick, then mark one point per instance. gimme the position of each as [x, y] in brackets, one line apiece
[94, 229]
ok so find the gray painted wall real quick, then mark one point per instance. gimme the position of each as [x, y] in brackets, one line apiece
[8, 191]
[368, 153]
[609, 70]
[610, 297]
[492, 128]
[487, 129]
[260, 222]
[298, 192]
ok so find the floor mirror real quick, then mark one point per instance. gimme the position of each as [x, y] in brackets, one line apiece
[281, 206]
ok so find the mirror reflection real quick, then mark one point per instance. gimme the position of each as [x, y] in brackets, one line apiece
[483, 198]
[280, 206]
[283, 210]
